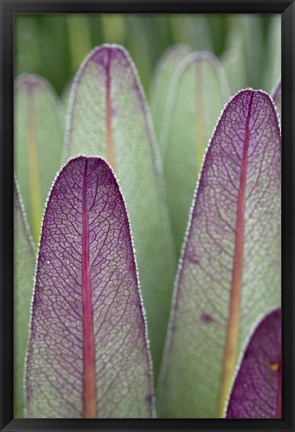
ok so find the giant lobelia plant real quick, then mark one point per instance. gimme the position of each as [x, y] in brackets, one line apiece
[88, 341]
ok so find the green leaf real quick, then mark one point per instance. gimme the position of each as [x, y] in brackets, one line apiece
[24, 263]
[65, 96]
[230, 273]
[161, 81]
[277, 96]
[38, 144]
[254, 48]
[197, 95]
[234, 58]
[273, 53]
[109, 117]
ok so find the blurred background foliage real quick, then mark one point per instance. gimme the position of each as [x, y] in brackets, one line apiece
[53, 46]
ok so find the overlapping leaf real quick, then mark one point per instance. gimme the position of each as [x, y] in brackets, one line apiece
[38, 144]
[24, 264]
[229, 275]
[109, 117]
[88, 354]
[161, 83]
[197, 96]
[257, 389]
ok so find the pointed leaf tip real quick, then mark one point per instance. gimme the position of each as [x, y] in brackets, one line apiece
[229, 275]
[257, 389]
[88, 354]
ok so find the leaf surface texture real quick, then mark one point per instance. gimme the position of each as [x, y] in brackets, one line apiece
[88, 354]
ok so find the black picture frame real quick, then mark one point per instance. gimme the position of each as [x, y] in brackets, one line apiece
[8, 8]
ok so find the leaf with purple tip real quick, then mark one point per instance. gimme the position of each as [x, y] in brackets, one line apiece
[197, 95]
[277, 96]
[38, 144]
[229, 275]
[256, 391]
[109, 117]
[24, 264]
[88, 355]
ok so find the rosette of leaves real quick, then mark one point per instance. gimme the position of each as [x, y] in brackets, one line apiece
[88, 345]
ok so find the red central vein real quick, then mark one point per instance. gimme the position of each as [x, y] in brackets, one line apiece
[279, 393]
[89, 380]
[232, 336]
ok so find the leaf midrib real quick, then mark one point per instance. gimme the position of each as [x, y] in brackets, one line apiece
[89, 376]
[233, 325]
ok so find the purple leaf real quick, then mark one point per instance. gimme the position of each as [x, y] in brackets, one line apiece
[257, 389]
[229, 275]
[88, 354]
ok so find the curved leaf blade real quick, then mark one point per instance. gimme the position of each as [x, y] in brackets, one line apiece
[161, 81]
[229, 274]
[24, 264]
[88, 354]
[257, 389]
[197, 96]
[38, 144]
[109, 117]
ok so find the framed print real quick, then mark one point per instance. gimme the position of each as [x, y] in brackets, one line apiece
[147, 183]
